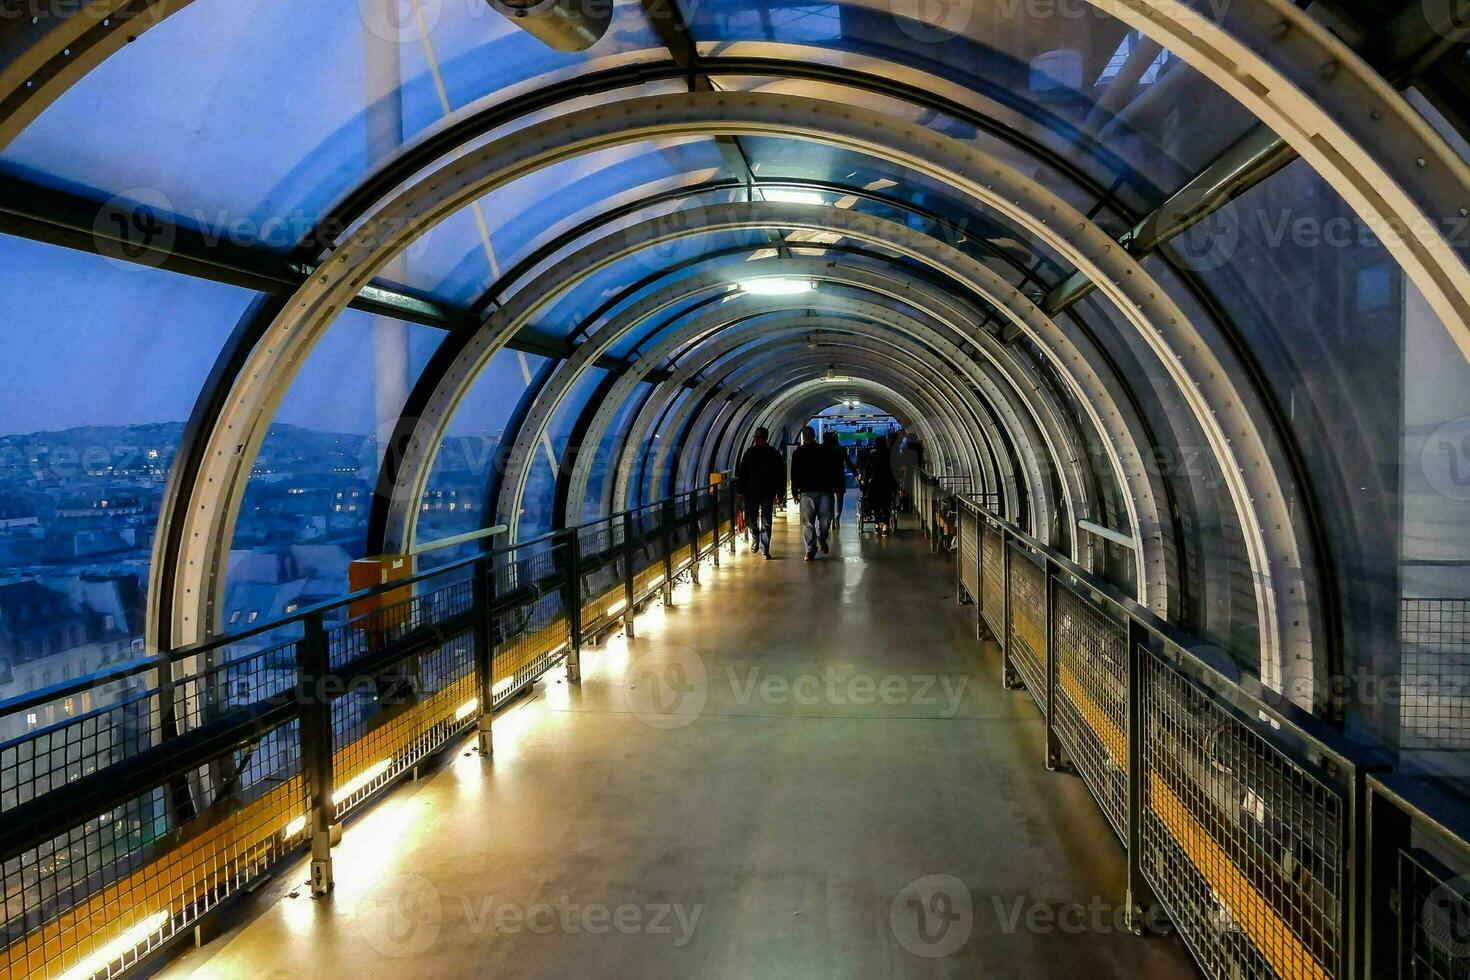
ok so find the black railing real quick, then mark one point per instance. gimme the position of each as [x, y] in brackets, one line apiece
[1275, 846]
[134, 801]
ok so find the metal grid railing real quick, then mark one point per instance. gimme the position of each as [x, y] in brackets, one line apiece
[1435, 709]
[1237, 809]
[133, 802]
[1243, 846]
[1092, 699]
[992, 579]
[531, 635]
[106, 835]
[969, 553]
[1433, 940]
[1026, 645]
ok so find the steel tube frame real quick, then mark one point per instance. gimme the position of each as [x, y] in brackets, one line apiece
[508, 507]
[767, 345]
[1013, 409]
[1288, 622]
[941, 417]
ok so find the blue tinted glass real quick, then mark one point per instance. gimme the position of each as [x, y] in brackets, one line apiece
[305, 510]
[539, 496]
[454, 500]
[458, 259]
[1335, 328]
[106, 361]
[1084, 85]
[251, 119]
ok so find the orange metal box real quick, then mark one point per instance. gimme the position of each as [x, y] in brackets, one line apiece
[367, 573]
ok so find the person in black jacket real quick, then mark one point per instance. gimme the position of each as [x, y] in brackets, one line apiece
[760, 479]
[841, 465]
[811, 485]
[879, 484]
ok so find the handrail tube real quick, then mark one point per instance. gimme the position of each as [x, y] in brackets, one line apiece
[1221, 675]
[156, 661]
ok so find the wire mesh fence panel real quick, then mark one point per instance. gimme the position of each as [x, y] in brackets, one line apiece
[1092, 699]
[969, 555]
[103, 861]
[1027, 642]
[602, 574]
[1244, 847]
[992, 580]
[1435, 708]
[532, 634]
[400, 664]
[1434, 908]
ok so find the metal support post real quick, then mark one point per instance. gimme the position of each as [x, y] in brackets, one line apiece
[1140, 899]
[668, 538]
[734, 516]
[574, 607]
[313, 669]
[1008, 676]
[483, 593]
[629, 595]
[714, 513]
[1054, 759]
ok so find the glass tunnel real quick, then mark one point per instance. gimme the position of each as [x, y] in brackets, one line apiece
[369, 360]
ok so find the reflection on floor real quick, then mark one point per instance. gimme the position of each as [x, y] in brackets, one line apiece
[799, 770]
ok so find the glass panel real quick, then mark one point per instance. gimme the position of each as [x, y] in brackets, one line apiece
[305, 511]
[461, 257]
[1218, 595]
[106, 361]
[454, 499]
[1325, 309]
[979, 230]
[537, 511]
[1071, 77]
[609, 447]
[251, 119]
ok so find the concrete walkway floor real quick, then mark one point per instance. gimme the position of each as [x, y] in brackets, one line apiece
[799, 770]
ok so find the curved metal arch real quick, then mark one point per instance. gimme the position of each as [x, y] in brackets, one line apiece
[1015, 392]
[791, 409]
[797, 411]
[837, 345]
[1031, 396]
[945, 423]
[879, 390]
[1268, 55]
[712, 421]
[1281, 563]
[729, 422]
[770, 337]
[1071, 351]
[678, 424]
[768, 341]
[1023, 430]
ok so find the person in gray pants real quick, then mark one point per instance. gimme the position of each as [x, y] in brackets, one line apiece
[811, 485]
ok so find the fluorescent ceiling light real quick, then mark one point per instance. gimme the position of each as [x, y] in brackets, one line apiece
[788, 196]
[777, 286]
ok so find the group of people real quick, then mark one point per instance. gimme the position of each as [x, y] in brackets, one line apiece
[818, 481]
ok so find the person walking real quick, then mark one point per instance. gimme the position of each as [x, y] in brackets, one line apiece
[879, 484]
[811, 485]
[760, 479]
[841, 465]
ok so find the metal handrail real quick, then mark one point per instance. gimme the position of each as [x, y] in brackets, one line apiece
[470, 644]
[1400, 844]
[140, 665]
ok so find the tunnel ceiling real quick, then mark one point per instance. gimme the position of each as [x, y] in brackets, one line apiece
[1043, 242]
